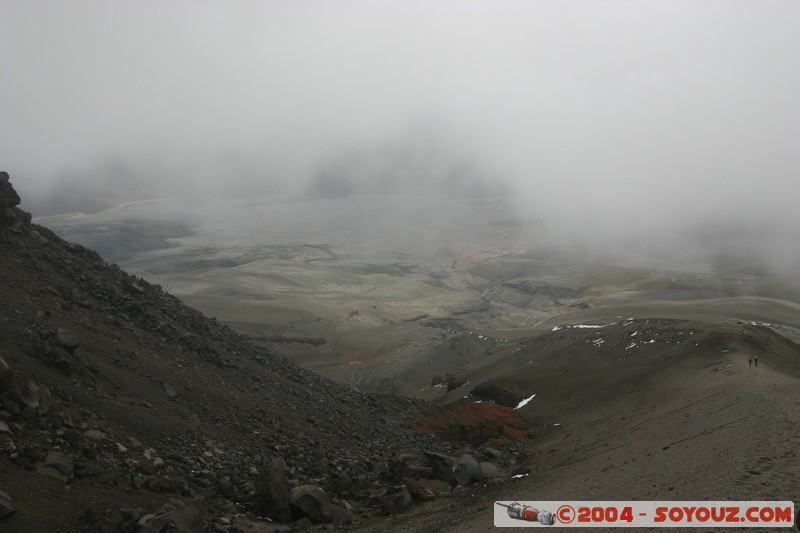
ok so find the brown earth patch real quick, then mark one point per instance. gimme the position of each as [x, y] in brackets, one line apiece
[473, 423]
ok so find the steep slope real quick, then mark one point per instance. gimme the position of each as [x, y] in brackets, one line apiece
[117, 398]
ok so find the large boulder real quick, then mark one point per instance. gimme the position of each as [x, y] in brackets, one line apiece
[67, 339]
[272, 492]
[466, 470]
[410, 465]
[56, 465]
[395, 500]
[20, 388]
[311, 502]
[441, 465]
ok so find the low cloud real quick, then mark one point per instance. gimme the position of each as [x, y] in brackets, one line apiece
[626, 124]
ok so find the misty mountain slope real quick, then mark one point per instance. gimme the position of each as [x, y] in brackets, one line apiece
[149, 368]
[254, 262]
[118, 389]
[364, 287]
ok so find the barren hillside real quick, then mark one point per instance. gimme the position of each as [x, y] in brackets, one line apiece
[125, 410]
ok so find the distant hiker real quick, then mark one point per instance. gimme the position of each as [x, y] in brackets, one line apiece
[756, 360]
[749, 361]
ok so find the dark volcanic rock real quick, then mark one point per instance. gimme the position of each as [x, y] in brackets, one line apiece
[8, 196]
[396, 500]
[56, 465]
[176, 517]
[112, 519]
[411, 465]
[5, 505]
[67, 339]
[170, 391]
[20, 388]
[272, 492]
[11, 217]
[340, 515]
[441, 465]
[59, 358]
[497, 393]
[311, 502]
[490, 453]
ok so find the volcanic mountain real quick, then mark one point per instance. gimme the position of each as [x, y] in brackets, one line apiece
[125, 410]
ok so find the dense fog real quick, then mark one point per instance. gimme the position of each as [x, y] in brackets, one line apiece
[666, 126]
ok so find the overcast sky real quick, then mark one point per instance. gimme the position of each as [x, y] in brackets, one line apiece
[619, 112]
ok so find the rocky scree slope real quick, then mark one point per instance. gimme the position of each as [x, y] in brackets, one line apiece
[122, 409]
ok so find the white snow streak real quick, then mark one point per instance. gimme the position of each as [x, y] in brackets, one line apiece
[524, 402]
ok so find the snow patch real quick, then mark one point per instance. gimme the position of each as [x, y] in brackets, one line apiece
[524, 402]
